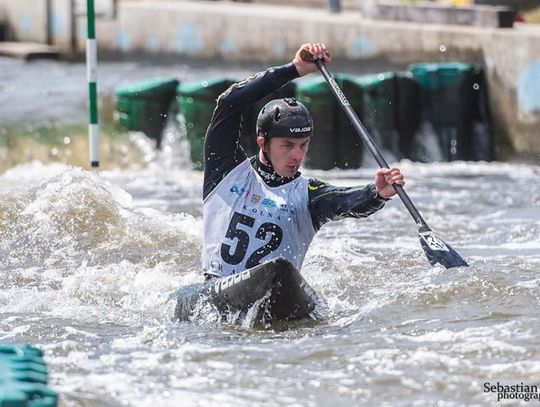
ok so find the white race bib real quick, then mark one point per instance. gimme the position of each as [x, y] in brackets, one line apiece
[246, 222]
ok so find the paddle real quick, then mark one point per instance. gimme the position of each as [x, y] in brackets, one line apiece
[437, 251]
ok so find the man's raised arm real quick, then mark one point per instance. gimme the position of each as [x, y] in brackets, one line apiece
[222, 151]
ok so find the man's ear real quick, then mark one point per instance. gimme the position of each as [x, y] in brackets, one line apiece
[261, 143]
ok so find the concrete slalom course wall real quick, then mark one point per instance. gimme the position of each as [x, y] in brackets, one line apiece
[233, 31]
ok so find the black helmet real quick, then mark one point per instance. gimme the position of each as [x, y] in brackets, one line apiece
[284, 118]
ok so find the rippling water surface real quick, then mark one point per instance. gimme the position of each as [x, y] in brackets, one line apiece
[88, 260]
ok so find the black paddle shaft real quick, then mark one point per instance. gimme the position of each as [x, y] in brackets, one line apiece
[363, 133]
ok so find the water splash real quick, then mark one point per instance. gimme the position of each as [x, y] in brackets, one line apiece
[398, 330]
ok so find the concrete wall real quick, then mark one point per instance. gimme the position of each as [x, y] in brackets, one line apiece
[345, 4]
[27, 19]
[231, 30]
[512, 59]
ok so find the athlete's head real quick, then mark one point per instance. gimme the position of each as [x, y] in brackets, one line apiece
[284, 128]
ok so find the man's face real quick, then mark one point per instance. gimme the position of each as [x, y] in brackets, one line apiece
[286, 153]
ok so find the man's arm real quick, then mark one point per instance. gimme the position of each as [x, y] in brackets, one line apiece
[328, 202]
[222, 151]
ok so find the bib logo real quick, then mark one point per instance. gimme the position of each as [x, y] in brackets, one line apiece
[289, 208]
[238, 191]
[271, 208]
[269, 202]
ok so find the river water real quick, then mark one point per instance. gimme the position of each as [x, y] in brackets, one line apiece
[88, 261]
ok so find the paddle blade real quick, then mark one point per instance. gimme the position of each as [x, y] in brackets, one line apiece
[439, 252]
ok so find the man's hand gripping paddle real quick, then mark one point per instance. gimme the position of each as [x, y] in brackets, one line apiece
[437, 251]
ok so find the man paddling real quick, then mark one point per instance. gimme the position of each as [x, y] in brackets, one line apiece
[261, 208]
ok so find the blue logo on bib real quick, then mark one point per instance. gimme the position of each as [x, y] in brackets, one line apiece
[269, 202]
[237, 191]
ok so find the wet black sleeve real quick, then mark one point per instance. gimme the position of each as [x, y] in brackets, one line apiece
[327, 202]
[222, 151]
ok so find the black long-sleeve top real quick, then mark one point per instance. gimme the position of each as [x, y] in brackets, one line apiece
[222, 152]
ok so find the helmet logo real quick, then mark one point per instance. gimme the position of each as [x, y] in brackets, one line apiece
[299, 129]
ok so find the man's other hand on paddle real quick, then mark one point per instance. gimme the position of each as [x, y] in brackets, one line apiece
[385, 178]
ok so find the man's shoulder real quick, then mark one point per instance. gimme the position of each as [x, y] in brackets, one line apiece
[318, 188]
[222, 177]
[315, 184]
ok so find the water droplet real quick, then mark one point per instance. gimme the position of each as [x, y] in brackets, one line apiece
[476, 86]
[67, 140]
[442, 48]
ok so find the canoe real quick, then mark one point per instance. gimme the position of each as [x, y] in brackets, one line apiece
[270, 292]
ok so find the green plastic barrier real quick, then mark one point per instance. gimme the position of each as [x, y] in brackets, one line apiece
[349, 144]
[144, 106]
[316, 96]
[454, 98]
[196, 102]
[391, 106]
[479, 118]
[442, 85]
[4, 31]
[23, 378]
[334, 144]
[408, 112]
[380, 110]
[248, 134]
[379, 96]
